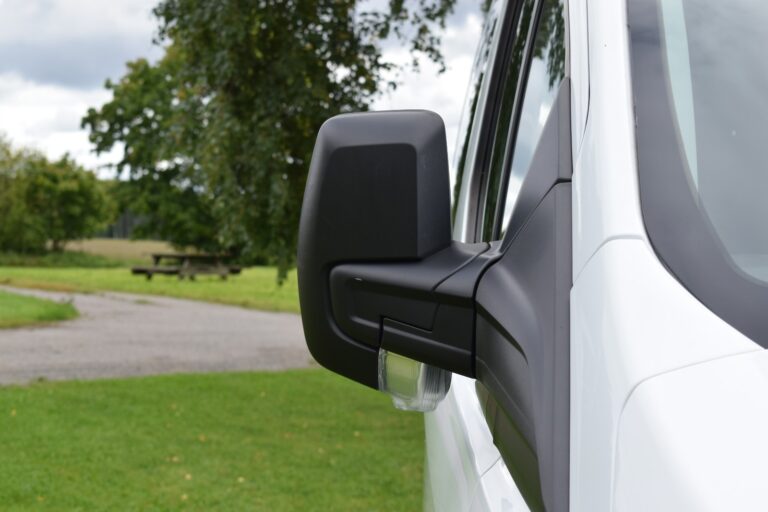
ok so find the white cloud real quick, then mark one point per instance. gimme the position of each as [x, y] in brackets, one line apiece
[440, 93]
[55, 54]
[74, 42]
[47, 117]
[54, 58]
[52, 21]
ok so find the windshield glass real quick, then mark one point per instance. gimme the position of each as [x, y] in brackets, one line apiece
[700, 83]
[717, 75]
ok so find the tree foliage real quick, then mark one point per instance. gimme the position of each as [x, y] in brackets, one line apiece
[157, 119]
[18, 231]
[218, 134]
[43, 202]
[68, 202]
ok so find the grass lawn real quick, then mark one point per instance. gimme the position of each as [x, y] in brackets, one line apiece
[255, 288]
[301, 440]
[17, 310]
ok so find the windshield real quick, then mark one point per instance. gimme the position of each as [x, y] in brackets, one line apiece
[700, 79]
[718, 76]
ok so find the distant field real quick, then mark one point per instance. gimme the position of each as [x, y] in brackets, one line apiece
[255, 288]
[94, 253]
[18, 310]
[65, 259]
[102, 264]
[129, 251]
[301, 440]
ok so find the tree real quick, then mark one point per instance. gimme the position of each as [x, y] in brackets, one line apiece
[67, 202]
[227, 118]
[156, 117]
[19, 231]
[44, 202]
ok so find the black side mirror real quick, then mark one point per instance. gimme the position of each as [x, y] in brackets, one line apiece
[378, 272]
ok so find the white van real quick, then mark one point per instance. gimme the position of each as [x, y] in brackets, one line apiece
[585, 313]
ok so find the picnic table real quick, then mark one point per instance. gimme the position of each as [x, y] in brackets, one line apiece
[187, 265]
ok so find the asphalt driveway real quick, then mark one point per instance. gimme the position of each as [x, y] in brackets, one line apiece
[121, 335]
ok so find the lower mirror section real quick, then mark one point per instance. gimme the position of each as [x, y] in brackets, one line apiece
[413, 386]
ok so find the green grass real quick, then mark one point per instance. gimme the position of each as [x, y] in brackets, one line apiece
[18, 310]
[255, 288]
[301, 440]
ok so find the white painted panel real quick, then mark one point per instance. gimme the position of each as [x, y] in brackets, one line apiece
[697, 439]
[579, 56]
[606, 200]
[630, 320]
[498, 492]
[459, 448]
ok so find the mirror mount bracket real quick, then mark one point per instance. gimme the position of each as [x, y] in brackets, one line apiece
[422, 310]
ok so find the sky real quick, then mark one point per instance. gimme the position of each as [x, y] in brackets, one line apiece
[55, 56]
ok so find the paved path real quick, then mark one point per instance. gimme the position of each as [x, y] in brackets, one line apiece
[119, 335]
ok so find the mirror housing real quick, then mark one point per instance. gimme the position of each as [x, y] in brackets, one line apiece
[377, 268]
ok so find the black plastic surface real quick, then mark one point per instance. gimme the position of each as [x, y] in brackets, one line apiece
[404, 307]
[523, 352]
[377, 191]
[523, 323]
[514, 446]
[377, 269]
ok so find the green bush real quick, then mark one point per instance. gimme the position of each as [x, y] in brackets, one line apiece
[19, 231]
[44, 202]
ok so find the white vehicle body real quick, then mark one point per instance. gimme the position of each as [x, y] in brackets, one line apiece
[668, 406]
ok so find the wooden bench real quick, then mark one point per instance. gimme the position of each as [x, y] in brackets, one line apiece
[187, 265]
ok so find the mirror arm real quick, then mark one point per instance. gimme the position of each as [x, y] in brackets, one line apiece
[423, 310]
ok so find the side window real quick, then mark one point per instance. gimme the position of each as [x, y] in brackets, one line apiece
[470, 127]
[514, 143]
[508, 91]
[546, 71]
